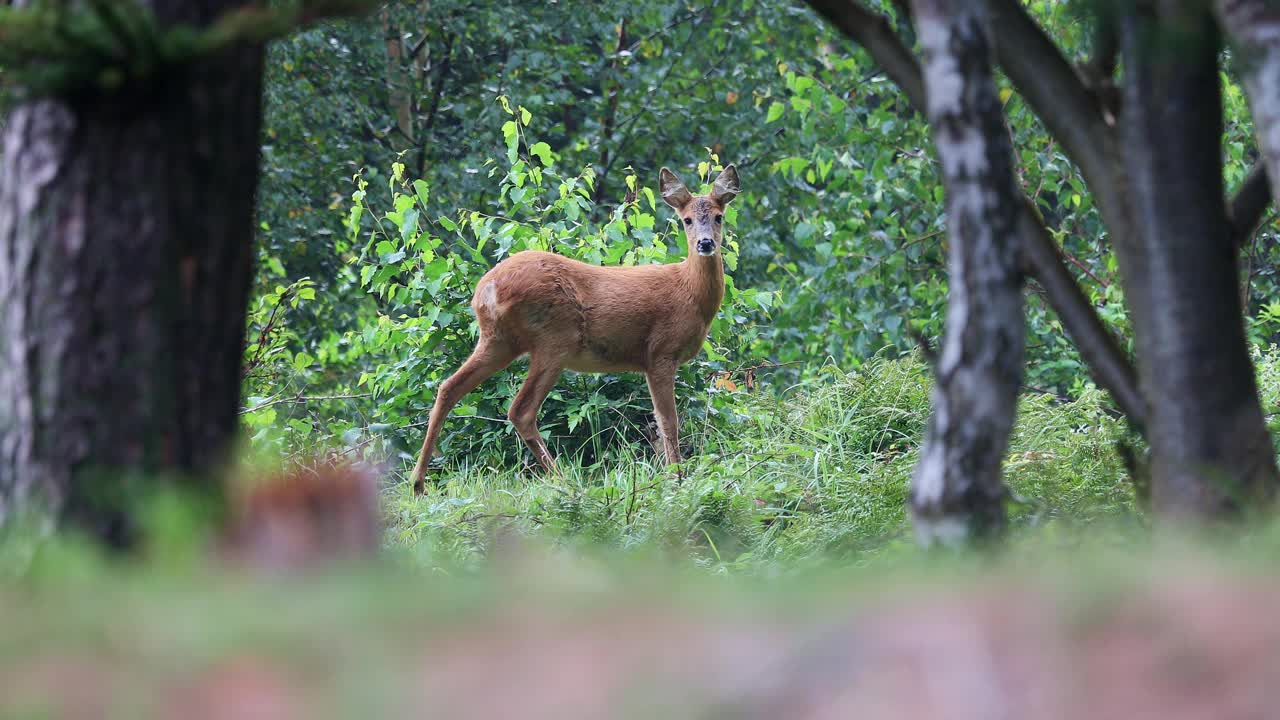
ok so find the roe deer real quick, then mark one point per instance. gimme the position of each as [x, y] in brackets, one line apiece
[568, 314]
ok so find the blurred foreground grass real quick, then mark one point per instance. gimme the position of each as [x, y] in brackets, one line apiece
[774, 579]
[538, 632]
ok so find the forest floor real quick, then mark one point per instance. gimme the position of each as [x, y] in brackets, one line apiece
[541, 635]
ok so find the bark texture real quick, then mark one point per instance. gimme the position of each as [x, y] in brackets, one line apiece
[398, 82]
[1211, 453]
[125, 263]
[1253, 28]
[957, 493]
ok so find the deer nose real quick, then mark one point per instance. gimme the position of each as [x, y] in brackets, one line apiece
[706, 247]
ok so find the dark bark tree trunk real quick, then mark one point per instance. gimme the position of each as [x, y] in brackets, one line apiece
[957, 493]
[125, 262]
[1211, 453]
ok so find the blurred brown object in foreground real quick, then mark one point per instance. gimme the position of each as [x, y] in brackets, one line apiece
[304, 516]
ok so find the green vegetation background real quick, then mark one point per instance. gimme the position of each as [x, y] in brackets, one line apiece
[544, 128]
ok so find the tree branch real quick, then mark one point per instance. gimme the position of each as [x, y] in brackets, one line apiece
[1050, 85]
[872, 31]
[300, 400]
[1249, 204]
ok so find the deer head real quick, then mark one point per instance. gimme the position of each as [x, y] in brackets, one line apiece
[701, 215]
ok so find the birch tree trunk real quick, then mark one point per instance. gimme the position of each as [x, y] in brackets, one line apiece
[398, 84]
[1211, 452]
[957, 493]
[1253, 28]
[125, 263]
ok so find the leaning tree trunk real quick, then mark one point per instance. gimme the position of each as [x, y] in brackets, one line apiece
[1211, 453]
[125, 264]
[957, 492]
[1253, 27]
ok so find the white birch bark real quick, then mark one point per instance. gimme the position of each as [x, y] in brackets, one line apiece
[957, 494]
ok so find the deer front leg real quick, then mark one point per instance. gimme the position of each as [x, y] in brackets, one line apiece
[662, 387]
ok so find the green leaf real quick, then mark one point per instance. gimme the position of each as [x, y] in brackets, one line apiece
[423, 191]
[775, 112]
[303, 360]
[409, 225]
[542, 151]
[300, 426]
[447, 224]
[511, 134]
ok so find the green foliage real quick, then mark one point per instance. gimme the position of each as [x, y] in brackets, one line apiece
[839, 246]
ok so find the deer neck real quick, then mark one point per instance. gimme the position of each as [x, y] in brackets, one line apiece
[704, 277]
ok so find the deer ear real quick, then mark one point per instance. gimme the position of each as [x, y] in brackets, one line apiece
[726, 187]
[673, 191]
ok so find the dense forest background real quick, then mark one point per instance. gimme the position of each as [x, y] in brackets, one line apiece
[466, 135]
[406, 153]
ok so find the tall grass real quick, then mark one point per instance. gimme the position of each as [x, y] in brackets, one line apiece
[820, 475]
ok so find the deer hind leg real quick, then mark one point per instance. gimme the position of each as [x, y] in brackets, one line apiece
[662, 387]
[488, 358]
[523, 414]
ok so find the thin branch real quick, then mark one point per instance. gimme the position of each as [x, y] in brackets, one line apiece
[1085, 269]
[424, 423]
[1249, 204]
[668, 27]
[300, 400]
[417, 47]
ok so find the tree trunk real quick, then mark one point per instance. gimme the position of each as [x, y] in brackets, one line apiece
[1253, 27]
[957, 493]
[1211, 453]
[125, 261]
[398, 95]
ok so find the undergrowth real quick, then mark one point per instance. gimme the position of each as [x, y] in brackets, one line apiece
[820, 475]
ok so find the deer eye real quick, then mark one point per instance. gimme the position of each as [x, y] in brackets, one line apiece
[688, 222]
[719, 219]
